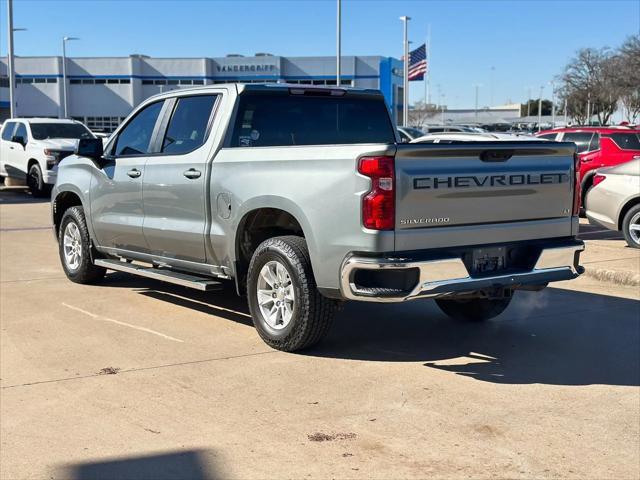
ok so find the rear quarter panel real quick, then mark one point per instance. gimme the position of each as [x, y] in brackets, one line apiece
[318, 185]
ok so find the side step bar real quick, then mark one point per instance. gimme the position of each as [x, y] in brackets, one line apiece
[169, 276]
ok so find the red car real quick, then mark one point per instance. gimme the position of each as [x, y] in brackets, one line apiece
[598, 147]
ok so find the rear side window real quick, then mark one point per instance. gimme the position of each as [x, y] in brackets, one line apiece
[626, 141]
[265, 120]
[581, 139]
[595, 142]
[135, 137]
[188, 125]
[7, 131]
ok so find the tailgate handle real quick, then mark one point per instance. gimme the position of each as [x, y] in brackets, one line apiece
[496, 155]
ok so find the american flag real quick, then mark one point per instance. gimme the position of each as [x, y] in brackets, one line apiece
[418, 63]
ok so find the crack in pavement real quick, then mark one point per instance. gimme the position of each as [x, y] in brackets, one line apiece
[140, 369]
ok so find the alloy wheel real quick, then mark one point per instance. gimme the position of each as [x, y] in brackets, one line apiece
[72, 243]
[276, 297]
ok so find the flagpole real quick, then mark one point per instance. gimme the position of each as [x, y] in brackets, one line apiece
[405, 96]
[427, 74]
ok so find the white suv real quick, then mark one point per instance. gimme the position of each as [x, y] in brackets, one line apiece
[30, 149]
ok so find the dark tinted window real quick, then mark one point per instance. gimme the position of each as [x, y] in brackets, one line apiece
[282, 119]
[437, 130]
[581, 139]
[135, 137]
[595, 142]
[42, 131]
[414, 132]
[404, 138]
[626, 141]
[7, 131]
[188, 125]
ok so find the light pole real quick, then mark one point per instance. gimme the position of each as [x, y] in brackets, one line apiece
[540, 109]
[529, 102]
[477, 87]
[64, 73]
[338, 40]
[11, 59]
[493, 70]
[405, 89]
[553, 104]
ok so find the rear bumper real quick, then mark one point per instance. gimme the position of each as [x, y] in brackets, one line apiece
[437, 277]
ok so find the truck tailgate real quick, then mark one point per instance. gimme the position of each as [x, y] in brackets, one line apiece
[489, 192]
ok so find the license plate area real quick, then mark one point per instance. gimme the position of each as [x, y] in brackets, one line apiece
[488, 260]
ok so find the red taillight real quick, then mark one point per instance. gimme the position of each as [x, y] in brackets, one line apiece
[379, 204]
[576, 185]
[598, 179]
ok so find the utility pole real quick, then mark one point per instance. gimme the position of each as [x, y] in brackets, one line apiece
[405, 89]
[65, 94]
[427, 78]
[540, 109]
[338, 40]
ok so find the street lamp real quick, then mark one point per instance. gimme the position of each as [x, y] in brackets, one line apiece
[10, 59]
[405, 89]
[64, 72]
[553, 103]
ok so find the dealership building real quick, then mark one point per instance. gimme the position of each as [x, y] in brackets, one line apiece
[104, 90]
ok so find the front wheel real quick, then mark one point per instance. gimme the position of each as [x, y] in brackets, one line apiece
[474, 309]
[631, 227]
[35, 182]
[75, 248]
[288, 311]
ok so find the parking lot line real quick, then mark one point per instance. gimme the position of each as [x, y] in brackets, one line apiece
[124, 324]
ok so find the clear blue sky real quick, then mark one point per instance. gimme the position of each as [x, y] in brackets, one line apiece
[528, 42]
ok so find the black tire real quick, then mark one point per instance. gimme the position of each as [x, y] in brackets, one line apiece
[85, 271]
[626, 227]
[35, 182]
[312, 312]
[473, 309]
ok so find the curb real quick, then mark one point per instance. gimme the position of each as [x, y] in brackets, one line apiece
[618, 277]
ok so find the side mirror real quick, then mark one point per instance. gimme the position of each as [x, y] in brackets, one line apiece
[19, 139]
[90, 147]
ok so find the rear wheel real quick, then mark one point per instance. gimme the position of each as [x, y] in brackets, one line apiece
[288, 311]
[75, 248]
[35, 182]
[474, 309]
[631, 227]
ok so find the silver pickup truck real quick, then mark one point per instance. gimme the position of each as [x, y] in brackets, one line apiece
[305, 197]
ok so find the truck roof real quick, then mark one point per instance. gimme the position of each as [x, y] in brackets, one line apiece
[281, 87]
[41, 120]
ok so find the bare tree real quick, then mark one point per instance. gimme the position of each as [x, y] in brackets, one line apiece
[421, 113]
[627, 65]
[589, 83]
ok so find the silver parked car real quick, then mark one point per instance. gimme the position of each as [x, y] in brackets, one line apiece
[614, 200]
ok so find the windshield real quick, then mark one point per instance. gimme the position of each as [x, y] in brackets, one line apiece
[43, 131]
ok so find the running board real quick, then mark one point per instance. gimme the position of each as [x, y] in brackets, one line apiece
[169, 276]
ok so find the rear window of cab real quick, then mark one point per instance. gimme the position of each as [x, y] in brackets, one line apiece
[276, 119]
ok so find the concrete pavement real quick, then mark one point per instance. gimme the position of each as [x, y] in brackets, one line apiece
[137, 379]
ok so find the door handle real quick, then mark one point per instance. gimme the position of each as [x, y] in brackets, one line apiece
[11, 148]
[134, 173]
[192, 173]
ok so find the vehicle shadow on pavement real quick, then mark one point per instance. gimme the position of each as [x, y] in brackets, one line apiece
[182, 464]
[596, 232]
[556, 337]
[18, 195]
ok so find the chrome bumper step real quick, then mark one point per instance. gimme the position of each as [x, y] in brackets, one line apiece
[169, 276]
